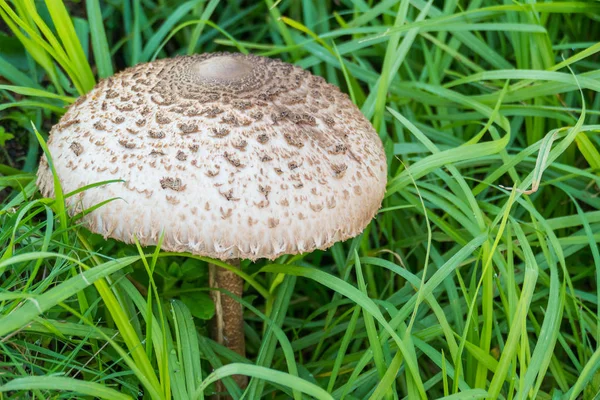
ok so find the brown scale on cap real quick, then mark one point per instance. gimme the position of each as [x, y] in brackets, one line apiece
[127, 144]
[220, 132]
[172, 183]
[339, 170]
[156, 134]
[181, 156]
[68, 122]
[260, 133]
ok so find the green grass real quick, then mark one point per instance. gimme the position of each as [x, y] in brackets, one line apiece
[479, 278]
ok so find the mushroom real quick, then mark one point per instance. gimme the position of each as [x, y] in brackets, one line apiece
[230, 156]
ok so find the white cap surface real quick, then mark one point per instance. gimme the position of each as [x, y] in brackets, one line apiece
[232, 156]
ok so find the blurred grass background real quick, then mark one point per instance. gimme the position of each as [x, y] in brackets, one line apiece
[479, 278]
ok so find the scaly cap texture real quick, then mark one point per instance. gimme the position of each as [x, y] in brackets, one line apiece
[231, 155]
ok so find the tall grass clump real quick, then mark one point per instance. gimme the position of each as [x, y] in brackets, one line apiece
[479, 278]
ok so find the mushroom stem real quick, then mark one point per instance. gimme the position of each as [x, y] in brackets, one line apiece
[228, 322]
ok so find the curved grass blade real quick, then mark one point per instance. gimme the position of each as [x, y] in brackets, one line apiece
[266, 374]
[60, 384]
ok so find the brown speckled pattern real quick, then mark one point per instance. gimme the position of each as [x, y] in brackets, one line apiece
[232, 156]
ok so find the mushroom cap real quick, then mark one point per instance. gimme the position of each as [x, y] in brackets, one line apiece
[230, 155]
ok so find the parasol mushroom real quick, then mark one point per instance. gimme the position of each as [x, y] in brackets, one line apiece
[231, 156]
